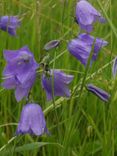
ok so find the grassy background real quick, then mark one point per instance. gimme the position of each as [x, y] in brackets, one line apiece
[85, 125]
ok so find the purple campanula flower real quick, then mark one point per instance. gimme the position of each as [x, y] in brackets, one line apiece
[86, 15]
[103, 95]
[20, 71]
[81, 47]
[9, 24]
[32, 120]
[56, 84]
[114, 68]
[52, 44]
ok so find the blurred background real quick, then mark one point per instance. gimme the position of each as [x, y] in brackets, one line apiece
[85, 126]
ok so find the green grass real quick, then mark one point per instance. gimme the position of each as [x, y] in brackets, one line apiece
[86, 126]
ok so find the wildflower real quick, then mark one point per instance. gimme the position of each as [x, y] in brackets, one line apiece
[52, 44]
[103, 95]
[114, 68]
[20, 71]
[86, 15]
[32, 120]
[81, 47]
[56, 84]
[9, 24]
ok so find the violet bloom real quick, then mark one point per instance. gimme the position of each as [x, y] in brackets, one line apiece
[32, 120]
[103, 95]
[20, 71]
[81, 47]
[52, 44]
[86, 15]
[114, 68]
[56, 84]
[9, 24]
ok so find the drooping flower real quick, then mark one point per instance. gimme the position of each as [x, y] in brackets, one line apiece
[56, 84]
[103, 95]
[86, 15]
[52, 44]
[81, 47]
[114, 68]
[20, 71]
[9, 24]
[32, 121]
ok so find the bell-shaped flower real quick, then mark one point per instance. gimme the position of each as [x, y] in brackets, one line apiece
[81, 47]
[114, 68]
[32, 121]
[86, 15]
[9, 24]
[20, 71]
[103, 95]
[56, 84]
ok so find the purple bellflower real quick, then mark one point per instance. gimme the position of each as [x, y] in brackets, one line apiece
[9, 24]
[52, 44]
[20, 71]
[81, 47]
[86, 15]
[114, 68]
[32, 121]
[103, 95]
[56, 84]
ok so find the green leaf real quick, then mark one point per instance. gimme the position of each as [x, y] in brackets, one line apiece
[28, 147]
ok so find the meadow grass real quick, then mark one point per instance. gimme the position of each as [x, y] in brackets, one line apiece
[86, 126]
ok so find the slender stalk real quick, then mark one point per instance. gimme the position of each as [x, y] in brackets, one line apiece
[12, 139]
[57, 120]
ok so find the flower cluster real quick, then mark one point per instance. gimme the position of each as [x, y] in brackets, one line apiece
[81, 47]
[21, 68]
[20, 74]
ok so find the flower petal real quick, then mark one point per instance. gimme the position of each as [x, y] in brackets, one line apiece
[21, 92]
[10, 82]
